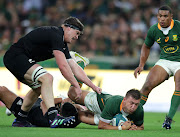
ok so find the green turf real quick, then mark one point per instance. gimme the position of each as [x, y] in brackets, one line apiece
[153, 123]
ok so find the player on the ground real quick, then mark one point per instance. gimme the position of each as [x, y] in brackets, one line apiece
[38, 114]
[166, 34]
[41, 44]
[103, 107]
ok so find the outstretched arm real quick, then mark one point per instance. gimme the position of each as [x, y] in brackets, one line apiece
[66, 71]
[81, 75]
[125, 126]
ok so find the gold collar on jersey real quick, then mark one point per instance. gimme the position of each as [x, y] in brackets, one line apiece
[166, 30]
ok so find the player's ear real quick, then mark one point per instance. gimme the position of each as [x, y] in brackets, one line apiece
[124, 99]
[171, 15]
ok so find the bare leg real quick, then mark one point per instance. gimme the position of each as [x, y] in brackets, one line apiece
[46, 90]
[30, 98]
[81, 100]
[86, 117]
[7, 97]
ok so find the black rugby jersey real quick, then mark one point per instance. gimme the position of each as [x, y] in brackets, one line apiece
[40, 43]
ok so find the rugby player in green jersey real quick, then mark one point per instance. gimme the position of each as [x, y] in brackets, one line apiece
[166, 34]
[103, 107]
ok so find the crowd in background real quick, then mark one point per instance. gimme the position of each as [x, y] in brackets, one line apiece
[112, 27]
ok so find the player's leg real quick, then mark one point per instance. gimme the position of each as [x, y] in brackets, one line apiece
[7, 97]
[156, 76]
[81, 100]
[45, 80]
[36, 77]
[86, 117]
[175, 101]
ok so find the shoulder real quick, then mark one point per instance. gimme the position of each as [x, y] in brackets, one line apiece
[176, 22]
[49, 28]
[153, 28]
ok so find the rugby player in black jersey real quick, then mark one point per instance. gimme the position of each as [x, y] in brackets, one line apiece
[38, 113]
[38, 45]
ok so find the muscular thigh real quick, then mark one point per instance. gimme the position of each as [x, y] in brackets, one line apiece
[156, 76]
[18, 64]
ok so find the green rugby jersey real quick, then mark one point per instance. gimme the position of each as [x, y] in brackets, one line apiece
[169, 44]
[111, 105]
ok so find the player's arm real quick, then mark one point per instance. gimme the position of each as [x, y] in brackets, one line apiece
[104, 125]
[140, 127]
[66, 71]
[81, 75]
[134, 127]
[145, 50]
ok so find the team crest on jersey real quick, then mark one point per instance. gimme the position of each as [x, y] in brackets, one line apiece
[175, 38]
[158, 40]
[170, 49]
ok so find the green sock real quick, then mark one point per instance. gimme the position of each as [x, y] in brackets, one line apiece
[81, 64]
[175, 101]
[143, 99]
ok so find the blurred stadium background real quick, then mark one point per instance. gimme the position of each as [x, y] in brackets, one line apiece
[113, 36]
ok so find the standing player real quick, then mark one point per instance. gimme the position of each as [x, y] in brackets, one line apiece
[41, 44]
[166, 34]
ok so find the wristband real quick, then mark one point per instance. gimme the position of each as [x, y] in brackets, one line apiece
[119, 128]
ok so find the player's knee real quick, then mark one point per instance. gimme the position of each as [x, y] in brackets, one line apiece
[71, 93]
[47, 78]
[148, 86]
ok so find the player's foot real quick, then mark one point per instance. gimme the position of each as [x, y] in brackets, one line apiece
[167, 123]
[17, 123]
[8, 112]
[63, 122]
[78, 57]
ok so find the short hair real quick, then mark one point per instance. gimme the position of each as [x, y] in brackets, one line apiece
[134, 93]
[74, 23]
[165, 7]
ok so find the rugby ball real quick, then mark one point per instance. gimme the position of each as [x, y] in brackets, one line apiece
[119, 119]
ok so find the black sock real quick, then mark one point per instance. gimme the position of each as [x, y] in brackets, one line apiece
[22, 115]
[52, 113]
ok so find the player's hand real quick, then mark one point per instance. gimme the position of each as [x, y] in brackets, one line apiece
[78, 93]
[126, 125]
[133, 127]
[97, 89]
[138, 70]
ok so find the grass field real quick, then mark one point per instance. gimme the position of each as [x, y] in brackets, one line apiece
[153, 123]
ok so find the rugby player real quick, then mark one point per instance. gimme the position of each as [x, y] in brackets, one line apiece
[38, 45]
[166, 34]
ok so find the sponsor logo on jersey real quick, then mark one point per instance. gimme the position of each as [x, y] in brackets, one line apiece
[170, 49]
[166, 39]
[158, 40]
[175, 38]
[19, 102]
[31, 61]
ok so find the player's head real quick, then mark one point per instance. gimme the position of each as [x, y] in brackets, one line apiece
[164, 16]
[131, 101]
[72, 29]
